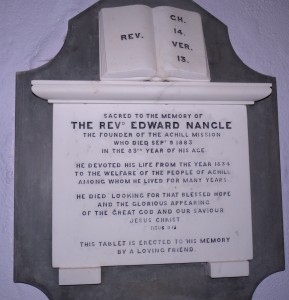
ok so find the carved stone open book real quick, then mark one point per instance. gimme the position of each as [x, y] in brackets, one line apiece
[142, 43]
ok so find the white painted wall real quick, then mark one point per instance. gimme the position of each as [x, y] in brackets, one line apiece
[33, 31]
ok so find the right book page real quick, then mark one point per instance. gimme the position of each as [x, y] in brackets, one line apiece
[180, 46]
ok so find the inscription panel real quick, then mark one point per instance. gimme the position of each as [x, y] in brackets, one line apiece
[150, 184]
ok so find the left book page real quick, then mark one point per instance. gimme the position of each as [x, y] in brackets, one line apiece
[128, 51]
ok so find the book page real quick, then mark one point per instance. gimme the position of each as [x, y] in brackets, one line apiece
[180, 46]
[127, 49]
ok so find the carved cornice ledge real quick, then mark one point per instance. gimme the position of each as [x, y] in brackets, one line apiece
[59, 91]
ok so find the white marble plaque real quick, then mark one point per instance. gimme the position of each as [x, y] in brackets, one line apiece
[150, 184]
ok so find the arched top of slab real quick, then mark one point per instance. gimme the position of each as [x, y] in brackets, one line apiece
[78, 59]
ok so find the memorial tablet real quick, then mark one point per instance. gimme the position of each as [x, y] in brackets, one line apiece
[151, 174]
[150, 184]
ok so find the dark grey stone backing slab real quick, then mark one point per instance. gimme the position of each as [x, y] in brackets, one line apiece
[78, 60]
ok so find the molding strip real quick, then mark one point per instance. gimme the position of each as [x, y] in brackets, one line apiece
[59, 91]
